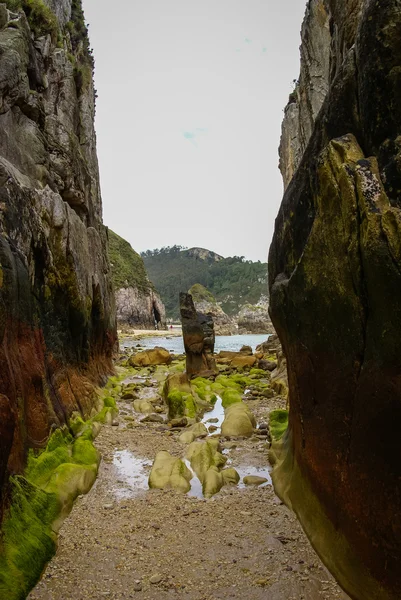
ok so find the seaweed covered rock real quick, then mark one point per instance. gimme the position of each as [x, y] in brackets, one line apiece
[179, 397]
[199, 338]
[335, 295]
[57, 315]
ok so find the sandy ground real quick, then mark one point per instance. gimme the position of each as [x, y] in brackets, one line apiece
[141, 333]
[125, 541]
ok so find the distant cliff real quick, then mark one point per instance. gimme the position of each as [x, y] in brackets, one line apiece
[138, 305]
[233, 281]
[206, 304]
[335, 292]
[57, 316]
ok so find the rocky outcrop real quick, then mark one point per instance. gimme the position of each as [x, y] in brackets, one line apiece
[335, 301]
[138, 305]
[255, 318]
[199, 338]
[206, 304]
[57, 318]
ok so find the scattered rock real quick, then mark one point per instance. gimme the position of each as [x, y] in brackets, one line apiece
[254, 480]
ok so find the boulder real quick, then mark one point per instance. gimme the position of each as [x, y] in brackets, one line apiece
[203, 455]
[155, 356]
[196, 430]
[238, 421]
[179, 397]
[169, 472]
[143, 406]
[241, 362]
[254, 480]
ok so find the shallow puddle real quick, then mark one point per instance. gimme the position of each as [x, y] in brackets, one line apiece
[196, 486]
[216, 413]
[133, 472]
[244, 470]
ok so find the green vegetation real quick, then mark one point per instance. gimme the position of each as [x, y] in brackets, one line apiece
[79, 33]
[199, 293]
[127, 266]
[41, 18]
[278, 422]
[41, 499]
[233, 281]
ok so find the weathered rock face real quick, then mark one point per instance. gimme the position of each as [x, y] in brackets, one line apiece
[205, 303]
[140, 309]
[57, 321]
[199, 338]
[255, 318]
[138, 305]
[335, 301]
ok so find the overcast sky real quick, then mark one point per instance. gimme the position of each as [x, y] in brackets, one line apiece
[191, 98]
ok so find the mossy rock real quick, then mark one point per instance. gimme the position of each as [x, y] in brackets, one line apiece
[238, 421]
[195, 431]
[230, 396]
[213, 482]
[203, 455]
[28, 539]
[278, 423]
[169, 472]
[230, 476]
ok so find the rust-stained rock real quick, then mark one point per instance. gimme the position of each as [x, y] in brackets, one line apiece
[335, 302]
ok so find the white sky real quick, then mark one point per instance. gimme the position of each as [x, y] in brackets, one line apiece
[191, 98]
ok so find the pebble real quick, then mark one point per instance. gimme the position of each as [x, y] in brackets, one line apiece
[155, 579]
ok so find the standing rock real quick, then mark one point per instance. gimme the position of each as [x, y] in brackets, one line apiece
[199, 338]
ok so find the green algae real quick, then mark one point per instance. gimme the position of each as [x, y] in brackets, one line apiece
[42, 498]
[229, 397]
[181, 404]
[278, 422]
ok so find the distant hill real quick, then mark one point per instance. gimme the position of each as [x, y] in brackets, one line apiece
[233, 281]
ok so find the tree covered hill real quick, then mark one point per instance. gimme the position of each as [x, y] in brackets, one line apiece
[233, 281]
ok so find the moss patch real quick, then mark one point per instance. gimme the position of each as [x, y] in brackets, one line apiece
[42, 498]
[278, 422]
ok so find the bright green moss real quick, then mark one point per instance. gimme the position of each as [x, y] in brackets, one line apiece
[230, 396]
[84, 452]
[104, 416]
[110, 402]
[278, 422]
[28, 541]
[258, 372]
[40, 468]
[181, 404]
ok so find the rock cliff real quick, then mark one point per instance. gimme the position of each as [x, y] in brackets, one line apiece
[57, 318]
[206, 304]
[254, 318]
[138, 305]
[335, 293]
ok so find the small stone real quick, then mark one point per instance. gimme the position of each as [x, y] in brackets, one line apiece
[212, 428]
[155, 579]
[137, 587]
[153, 418]
[115, 423]
[262, 582]
[108, 506]
[254, 480]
